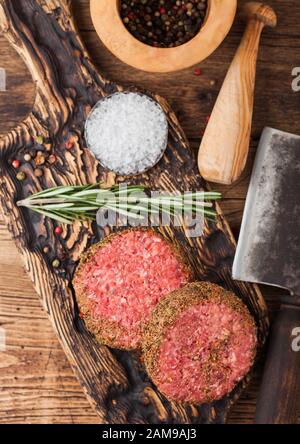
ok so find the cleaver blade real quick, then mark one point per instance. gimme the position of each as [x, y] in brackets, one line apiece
[269, 241]
[268, 253]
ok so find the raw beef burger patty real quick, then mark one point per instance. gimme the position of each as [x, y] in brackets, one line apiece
[200, 342]
[120, 281]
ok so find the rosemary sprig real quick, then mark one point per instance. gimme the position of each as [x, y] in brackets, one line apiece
[69, 203]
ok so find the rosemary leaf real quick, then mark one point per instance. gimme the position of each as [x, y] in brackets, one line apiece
[69, 203]
[54, 216]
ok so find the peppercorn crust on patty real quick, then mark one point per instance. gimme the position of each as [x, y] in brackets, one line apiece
[200, 342]
[120, 280]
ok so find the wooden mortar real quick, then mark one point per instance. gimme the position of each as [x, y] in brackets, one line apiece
[113, 33]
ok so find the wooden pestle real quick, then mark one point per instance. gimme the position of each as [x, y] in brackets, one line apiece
[225, 144]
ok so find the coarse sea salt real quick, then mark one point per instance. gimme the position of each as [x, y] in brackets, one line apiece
[127, 132]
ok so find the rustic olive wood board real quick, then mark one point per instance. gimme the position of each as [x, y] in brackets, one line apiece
[67, 86]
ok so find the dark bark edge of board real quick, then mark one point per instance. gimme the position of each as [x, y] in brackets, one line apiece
[67, 86]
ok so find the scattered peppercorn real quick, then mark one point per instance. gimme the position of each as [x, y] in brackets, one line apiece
[39, 140]
[56, 263]
[163, 23]
[27, 157]
[46, 249]
[58, 231]
[21, 176]
[197, 72]
[52, 159]
[40, 158]
[38, 172]
[16, 164]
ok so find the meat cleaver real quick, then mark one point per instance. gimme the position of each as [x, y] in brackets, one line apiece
[268, 253]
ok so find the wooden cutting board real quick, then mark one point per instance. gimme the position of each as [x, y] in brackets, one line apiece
[67, 86]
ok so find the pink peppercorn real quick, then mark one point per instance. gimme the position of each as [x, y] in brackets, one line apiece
[58, 231]
[16, 164]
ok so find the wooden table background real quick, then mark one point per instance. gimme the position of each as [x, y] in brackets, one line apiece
[37, 384]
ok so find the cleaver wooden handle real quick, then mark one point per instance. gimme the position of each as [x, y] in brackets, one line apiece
[277, 402]
[225, 144]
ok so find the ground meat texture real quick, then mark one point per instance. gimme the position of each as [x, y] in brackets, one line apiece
[120, 281]
[200, 343]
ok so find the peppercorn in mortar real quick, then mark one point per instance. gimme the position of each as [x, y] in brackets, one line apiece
[163, 23]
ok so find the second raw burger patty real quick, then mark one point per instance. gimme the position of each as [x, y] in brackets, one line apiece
[120, 281]
[199, 344]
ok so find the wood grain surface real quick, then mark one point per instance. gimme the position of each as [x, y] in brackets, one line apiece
[37, 384]
[67, 87]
